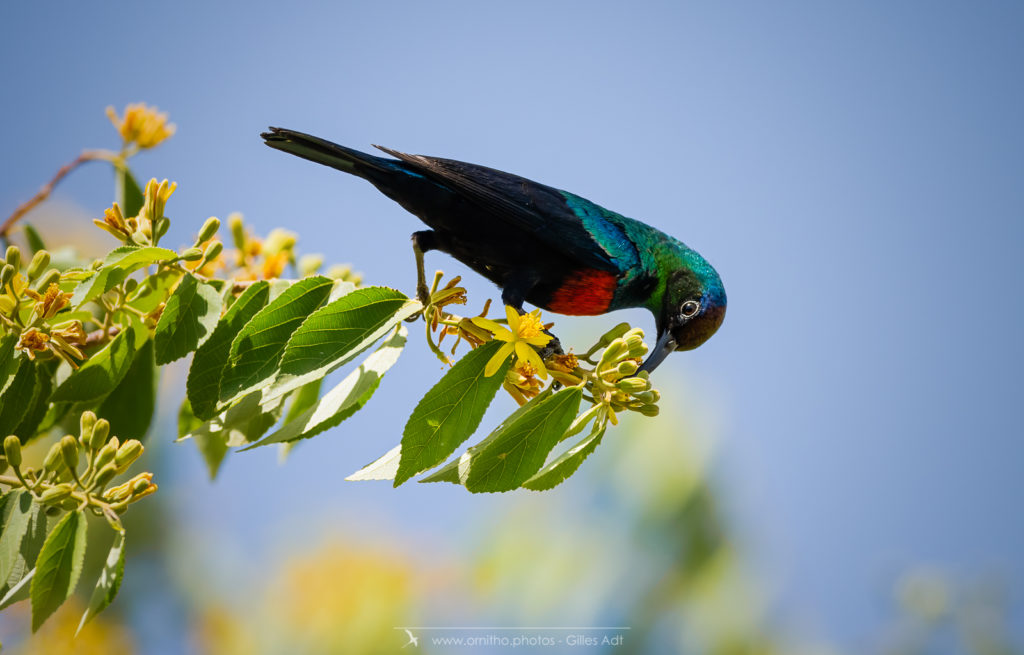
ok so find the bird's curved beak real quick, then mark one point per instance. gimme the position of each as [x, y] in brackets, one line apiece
[665, 345]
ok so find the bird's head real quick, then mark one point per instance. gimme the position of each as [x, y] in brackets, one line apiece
[692, 307]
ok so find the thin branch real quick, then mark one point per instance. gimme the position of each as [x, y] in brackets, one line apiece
[44, 193]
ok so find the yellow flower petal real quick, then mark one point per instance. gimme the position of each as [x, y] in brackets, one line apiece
[539, 340]
[528, 354]
[499, 357]
[500, 332]
[513, 318]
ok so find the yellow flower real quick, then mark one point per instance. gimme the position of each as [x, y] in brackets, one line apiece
[273, 265]
[279, 240]
[526, 331]
[50, 302]
[141, 125]
[33, 340]
[157, 195]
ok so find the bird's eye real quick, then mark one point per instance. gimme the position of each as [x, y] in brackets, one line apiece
[689, 308]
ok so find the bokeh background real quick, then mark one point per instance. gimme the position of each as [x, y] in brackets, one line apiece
[841, 467]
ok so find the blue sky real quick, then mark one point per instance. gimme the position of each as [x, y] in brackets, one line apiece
[853, 172]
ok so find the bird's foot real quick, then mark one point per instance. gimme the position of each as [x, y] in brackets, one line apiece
[554, 347]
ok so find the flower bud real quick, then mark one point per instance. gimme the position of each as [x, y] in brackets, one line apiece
[212, 251]
[627, 368]
[139, 485]
[119, 493]
[69, 448]
[162, 225]
[12, 449]
[105, 475]
[51, 276]
[209, 228]
[130, 285]
[635, 346]
[237, 230]
[39, 263]
[140, 490]
[54, 460]
[646, 397]
[634, 385]
[192, 255]
[106, 454]
[69, 504]
[99, 434]
[85, 426]
[13, 256]
[613, 352]
[648, 410]
[310, 264]
[6, 275]
[55, 494]
[614, 333]
[128, 453]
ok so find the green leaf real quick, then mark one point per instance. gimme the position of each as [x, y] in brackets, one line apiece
[213, 446]
[9, 362]
[34, 413]
[109, 582]
[18, 397]
[256, 350]
[58, 567]
[337, 333]
[35, 242]
[450, 412]
[131, 405]
[128, 192]
[208, 364]
[558, 471]
[13, 590]
[17, 513]
[383, 468]
[346, 398]
[306, 397]
[154, 289]
[513, 455]
[118, 265]
[19, 591]
[101, 373]
[243, 423]
[458, 466]
[187, 321]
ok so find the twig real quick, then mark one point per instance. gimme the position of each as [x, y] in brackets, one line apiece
[44, 193]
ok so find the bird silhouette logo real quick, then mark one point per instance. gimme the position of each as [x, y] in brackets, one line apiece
[413, 639]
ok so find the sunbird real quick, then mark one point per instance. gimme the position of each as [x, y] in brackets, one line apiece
[539, 244]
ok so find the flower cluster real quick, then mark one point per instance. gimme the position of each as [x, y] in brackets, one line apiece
[611, 380]
[141, 126]
[33, 313]
[76, 471]
[149, 226]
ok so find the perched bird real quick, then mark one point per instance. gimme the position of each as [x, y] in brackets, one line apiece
[548, 247]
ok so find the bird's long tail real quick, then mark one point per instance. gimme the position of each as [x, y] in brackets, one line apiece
[324, 152]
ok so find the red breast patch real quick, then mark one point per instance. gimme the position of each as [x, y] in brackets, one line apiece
[586, 294]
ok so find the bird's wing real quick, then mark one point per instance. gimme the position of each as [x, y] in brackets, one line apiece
[529, 206]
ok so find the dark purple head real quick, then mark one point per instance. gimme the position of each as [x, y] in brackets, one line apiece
[692, 308]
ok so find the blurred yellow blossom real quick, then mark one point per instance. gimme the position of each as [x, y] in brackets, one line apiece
[142, 125]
